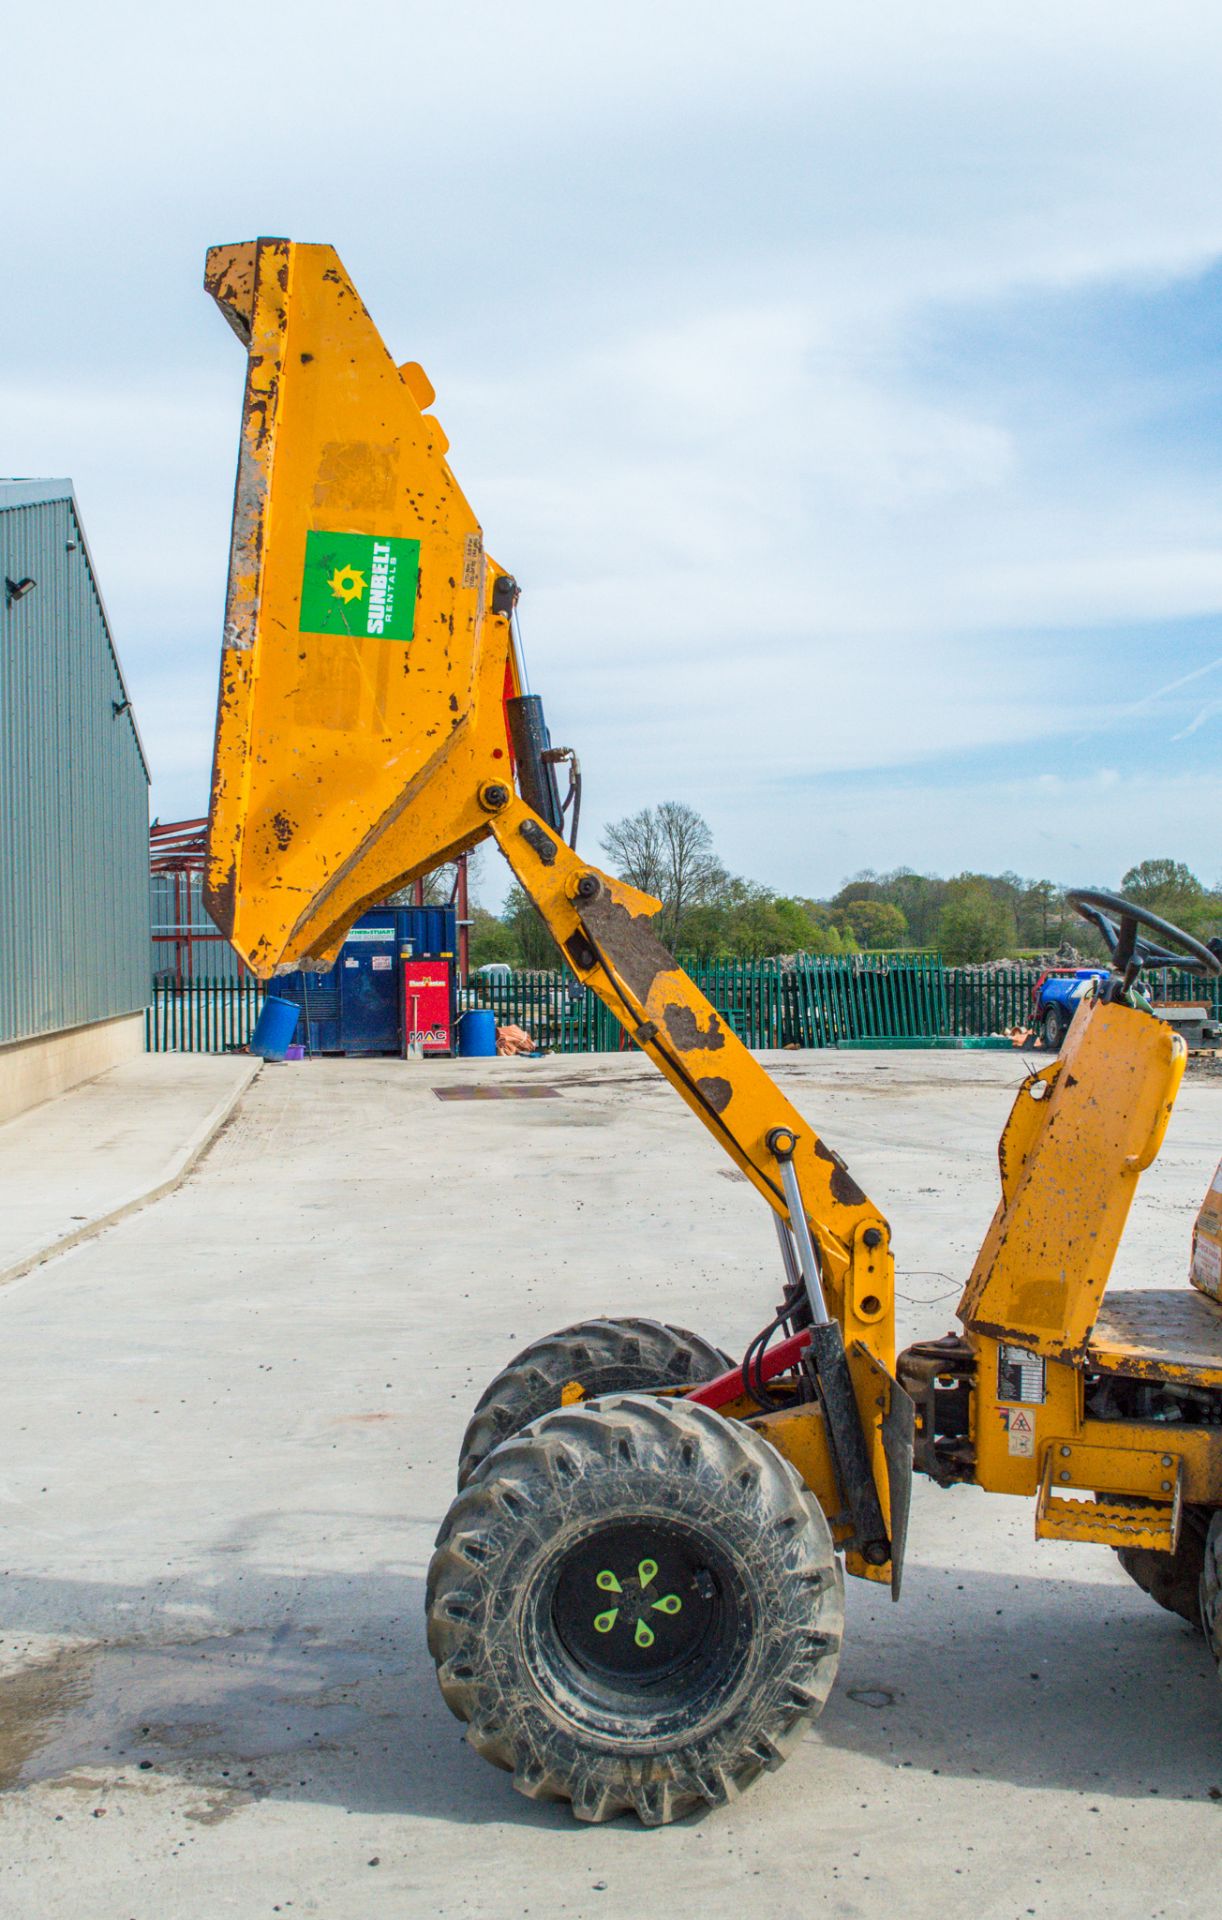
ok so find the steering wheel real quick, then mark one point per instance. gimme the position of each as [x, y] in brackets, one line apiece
[1128, 953]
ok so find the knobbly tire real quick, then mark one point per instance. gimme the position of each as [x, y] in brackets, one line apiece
[1173, 1579]
[1054, 1027]
[1211, 1586]
[597, 1356]
[635, 1605]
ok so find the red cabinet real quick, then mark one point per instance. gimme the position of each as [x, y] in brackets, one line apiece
[426, 1005]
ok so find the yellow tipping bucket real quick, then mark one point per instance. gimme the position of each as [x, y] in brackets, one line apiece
[367, 651]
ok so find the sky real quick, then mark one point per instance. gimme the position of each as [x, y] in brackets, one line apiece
[842, 383]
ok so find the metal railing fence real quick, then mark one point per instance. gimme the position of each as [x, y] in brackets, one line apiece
[202, 1016]
[810, 1001]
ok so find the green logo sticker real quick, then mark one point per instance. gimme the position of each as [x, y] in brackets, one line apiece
[356, 583]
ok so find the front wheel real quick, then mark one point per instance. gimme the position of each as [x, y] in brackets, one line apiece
[1054, 1026]
[635, 1605]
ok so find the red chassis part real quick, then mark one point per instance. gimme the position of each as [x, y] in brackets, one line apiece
[731, 1386]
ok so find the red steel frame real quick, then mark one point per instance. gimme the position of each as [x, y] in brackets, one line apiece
[178, 847]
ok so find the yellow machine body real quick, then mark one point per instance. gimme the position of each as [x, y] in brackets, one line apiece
[362, 740]
[1077, 1140]
[1080, 1134]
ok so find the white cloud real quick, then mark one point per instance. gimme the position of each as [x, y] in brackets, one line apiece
[667, 267]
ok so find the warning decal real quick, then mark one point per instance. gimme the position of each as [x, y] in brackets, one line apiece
[1021, 1428]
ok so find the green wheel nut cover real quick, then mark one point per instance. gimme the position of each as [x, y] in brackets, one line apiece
[646, 1574]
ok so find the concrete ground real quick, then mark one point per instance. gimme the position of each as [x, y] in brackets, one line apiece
[228, 1428]
[76, 1163]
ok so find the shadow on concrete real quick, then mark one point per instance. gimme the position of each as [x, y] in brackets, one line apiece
[335, 1701]
[1075, 1685]
[331, 1698]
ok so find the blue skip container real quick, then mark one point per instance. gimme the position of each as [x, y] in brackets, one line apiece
[275, 1027]
[477, 1034]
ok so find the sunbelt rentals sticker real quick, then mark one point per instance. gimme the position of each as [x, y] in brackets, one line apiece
[359, 583]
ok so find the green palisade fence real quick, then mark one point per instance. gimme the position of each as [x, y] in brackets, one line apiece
[202, 1016]
[542, 1004]
[813, 1001]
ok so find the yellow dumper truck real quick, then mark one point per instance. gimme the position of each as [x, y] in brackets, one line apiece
[636, 1597]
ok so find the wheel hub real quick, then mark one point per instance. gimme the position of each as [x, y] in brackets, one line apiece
[632, 1601]
[635, 1605]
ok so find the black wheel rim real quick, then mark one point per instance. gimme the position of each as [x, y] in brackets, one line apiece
[639, 1616]
[635, 1604]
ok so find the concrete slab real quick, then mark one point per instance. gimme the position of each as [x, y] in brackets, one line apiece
[228, 1430]
[78, 1163]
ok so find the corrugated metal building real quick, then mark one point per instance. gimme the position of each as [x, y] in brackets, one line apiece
[74, 974]
[186, 943]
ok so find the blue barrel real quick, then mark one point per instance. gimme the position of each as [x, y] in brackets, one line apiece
[477, 1034]
[275, 1027]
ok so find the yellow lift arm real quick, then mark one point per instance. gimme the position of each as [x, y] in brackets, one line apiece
[363, 737]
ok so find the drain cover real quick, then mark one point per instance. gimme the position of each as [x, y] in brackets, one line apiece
[497, 1093]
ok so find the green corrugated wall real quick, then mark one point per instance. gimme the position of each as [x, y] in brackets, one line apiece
[73, 785]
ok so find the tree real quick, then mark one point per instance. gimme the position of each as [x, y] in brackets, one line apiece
[531, 937]
[634, 846]
[827, 937]
[492, 941]
[919, 897]
[1171, 890]
[974, 925]
[438, 888]
[667, 851]
[756, 924]
[802, 932]
[876, 925]
[749, 922]
[866, 885]
[1043, 916]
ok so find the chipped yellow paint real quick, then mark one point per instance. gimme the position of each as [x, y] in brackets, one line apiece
[999, 1468]
[1070, 1162]
[1079, 1498]
[800, 1435]
[345, 763]
[1118, 1453]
